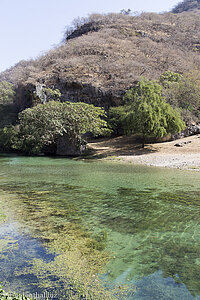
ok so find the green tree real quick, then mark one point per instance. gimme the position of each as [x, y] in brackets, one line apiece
[115, 119]
[8, 138]
[184, 94]
[147, 112]
[44, 124]
[7, 92]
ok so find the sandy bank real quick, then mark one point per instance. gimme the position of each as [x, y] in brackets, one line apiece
[166, 154]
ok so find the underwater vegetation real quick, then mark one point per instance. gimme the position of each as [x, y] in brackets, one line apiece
[121, 233]
[79, 254]
[2, 216]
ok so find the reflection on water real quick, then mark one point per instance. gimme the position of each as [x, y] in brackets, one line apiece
[137, 226]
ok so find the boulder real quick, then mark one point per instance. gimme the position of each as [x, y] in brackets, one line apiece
[190, 130]
[182, 144]
[67, 146]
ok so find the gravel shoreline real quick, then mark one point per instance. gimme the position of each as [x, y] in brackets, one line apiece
[180, 161]
[167, 154]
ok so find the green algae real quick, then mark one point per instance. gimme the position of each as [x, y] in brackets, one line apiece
[80, 254]
[121, 221]
[160, 244]
[2, 215]
[7, 245]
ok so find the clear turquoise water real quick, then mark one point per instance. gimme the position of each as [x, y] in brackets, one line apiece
[150, 216]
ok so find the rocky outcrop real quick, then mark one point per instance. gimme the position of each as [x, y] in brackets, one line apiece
[189, 131]
[192, 130]
[66, 146]
[77, 91]
[84, 29]
[24, 96]
[181, 144]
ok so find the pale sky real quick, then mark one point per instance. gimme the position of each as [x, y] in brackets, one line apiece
[31, 27]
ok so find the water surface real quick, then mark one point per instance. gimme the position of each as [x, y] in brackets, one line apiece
[137, 227]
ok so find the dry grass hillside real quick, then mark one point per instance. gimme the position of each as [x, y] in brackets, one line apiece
[104, 56]
[187, 5]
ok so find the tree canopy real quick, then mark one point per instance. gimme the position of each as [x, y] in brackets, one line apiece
[43, 124]
[147, 113]
[183, 92]
[6, 92]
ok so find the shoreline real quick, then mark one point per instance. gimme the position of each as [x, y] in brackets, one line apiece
[165, 154]
[184, 162]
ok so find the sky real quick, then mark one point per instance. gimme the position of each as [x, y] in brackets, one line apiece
[29, 28]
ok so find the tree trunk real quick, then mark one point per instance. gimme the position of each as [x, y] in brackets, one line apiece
[143, 141]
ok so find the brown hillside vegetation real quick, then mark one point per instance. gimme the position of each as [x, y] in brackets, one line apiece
[104, 56]
[187, 5]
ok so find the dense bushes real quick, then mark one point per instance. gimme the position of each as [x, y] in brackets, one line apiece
[7, 92]
[150, 109]
[8, 138]
[180, 92]
[43, 125]
[183, 92]
[8, 112]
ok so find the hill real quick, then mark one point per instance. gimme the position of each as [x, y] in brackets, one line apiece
[105, 55]
[187, 5]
